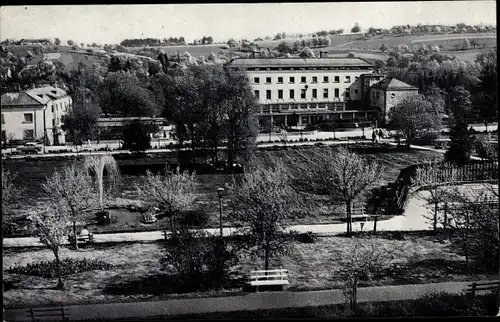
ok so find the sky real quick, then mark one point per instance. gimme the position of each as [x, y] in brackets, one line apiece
[113, 23]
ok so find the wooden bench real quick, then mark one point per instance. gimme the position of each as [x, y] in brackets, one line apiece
[358, 214]
[272, 277]
[48, 314]
[482, 286]
[86, 239]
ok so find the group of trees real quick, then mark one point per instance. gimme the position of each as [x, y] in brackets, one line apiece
[302, 46]
[172, 41]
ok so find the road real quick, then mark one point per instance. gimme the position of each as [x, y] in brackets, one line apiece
[250, 301]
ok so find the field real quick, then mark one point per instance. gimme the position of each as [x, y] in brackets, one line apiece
[30, 175]
[138, 275]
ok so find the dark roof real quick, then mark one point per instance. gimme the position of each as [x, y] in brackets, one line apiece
[393, 83]
[300, 62]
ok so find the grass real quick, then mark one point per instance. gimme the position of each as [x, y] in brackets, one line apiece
[138, 275]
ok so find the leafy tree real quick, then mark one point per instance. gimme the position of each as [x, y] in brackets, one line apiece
[383, 48]
[10, 197]
[259, 205]
[351, 55]
[51, 225]
[486, 96]
[340, 174]
[136, 136]
[284, 48]
[70, 43]
[57, 41]
[72, 189]
[461, 140]
[172, 192]
[340, 31]
[414, 116]
[379, 64]
[306, 52]
[81, 122]
[356, 28]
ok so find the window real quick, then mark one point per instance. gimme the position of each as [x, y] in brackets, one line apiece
[28, 135]
[256, 80]
[303, 79]
[4, 136]
[280, 80]
[280, 93]
[348, 79]
[325, 93]
[377, 95]
[3, 121]
[302, 93]
[268, 94]
[256, 94]
[315, 93]
[356, 91]
[337, 79]
[292, 94]
[347, 93]
[315, 79]
[52, 108]
[53, 123]
[393, 95]
[292, 80]
[337, 92]
[28, 118]
[325, 79]
[268, 80]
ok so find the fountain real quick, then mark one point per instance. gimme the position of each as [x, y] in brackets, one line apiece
[97, 164]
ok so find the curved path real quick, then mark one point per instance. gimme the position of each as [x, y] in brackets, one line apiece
[416, 217]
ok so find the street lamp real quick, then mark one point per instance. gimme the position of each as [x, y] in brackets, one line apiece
[219, 192]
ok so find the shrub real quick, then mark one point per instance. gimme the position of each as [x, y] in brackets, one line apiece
[68, 266]
[307, 237]
[194, 218]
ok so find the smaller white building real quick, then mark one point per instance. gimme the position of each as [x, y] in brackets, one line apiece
[35, 115]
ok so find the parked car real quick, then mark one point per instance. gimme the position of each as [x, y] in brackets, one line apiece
[30, 147]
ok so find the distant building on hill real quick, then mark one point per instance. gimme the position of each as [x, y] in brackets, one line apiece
[35, 115]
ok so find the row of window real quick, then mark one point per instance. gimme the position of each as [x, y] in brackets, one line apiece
[303, 93]
[303, 79]
[27, 135]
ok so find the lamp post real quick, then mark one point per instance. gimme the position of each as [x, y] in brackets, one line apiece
[219, 192]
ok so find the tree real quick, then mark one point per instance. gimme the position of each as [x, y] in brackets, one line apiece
[461, 143]
[351, 55]
[259, 205]
[96, 164]
[364, 259]
[340, 174]
[379, 64]
[383, 48]
[81, 122]
[284, 48]
[70, 43]
[432, 175]
[414, 116]
[10, 197]
[340, 31]
[306, 52]
[57, 41]
[71, 188]
[136, 136]
[356, 28]
[486, 96]
[173, 192]
[51, 225]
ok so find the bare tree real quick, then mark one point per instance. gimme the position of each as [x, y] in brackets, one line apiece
[10, 196]
[432, 175]
[259, 206]
[51, 225]
[171, 192]
[339, 173]
[71, 188]
[364, 259]
[97, 164]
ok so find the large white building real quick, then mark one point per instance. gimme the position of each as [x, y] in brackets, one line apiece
[297, 91]
[35, 114]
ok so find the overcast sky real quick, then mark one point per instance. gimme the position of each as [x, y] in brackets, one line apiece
[113, 23]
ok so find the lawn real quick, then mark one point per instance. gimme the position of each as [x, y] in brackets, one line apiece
[32, 173]
[138, 275]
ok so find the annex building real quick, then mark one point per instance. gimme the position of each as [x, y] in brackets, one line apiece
[297, 91]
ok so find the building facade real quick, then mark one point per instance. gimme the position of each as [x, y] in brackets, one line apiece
[35, 115]
[297, 91]
[388, 93]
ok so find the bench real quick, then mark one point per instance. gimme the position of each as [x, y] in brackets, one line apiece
[482, 286]
[358, 214]
[272, 277]
[48, 313]
[86, 239]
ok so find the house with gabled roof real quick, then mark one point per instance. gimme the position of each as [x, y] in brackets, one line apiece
[387, 93]
[35, 115]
